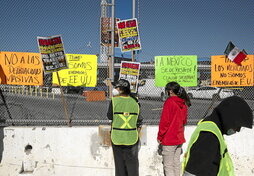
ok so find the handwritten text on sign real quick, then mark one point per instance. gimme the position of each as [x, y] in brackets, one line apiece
[21, 68]
[181, 69]
[82, 71]
[226, 73]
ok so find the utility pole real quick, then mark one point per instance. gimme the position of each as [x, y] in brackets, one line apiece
[133, 16]
[111, 58]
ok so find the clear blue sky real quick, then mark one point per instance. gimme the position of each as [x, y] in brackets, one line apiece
[167, 27]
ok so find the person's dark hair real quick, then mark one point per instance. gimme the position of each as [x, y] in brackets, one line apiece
[179, 91]
[124, 86]
[134, 96]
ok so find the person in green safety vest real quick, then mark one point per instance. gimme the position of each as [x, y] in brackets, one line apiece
[124, 111]
[207, 153]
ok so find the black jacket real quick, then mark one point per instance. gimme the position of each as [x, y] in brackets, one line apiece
[231, 113]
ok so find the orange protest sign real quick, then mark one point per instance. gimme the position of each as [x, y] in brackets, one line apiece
[226, 73]
[19, 68]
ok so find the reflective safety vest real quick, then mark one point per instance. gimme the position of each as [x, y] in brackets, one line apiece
[226, 165]
[124, 125]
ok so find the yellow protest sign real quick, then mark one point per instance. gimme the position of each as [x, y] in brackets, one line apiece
[226, 73]
[82, 71]
[17, 68]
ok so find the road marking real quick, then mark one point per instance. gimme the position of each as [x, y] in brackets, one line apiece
[156, 109]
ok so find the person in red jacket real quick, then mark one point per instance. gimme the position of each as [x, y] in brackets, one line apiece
[171, 127]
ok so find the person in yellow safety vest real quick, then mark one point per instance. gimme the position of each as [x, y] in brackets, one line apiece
[207, 153]
[124, 111]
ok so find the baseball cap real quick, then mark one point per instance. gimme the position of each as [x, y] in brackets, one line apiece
[121, 83]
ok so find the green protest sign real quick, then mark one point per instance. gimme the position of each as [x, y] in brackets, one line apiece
[181, 69]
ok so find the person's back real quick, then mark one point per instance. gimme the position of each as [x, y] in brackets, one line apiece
[204, 155]
[124, 111]
[124, 124]
[173, 119]
[171, 128]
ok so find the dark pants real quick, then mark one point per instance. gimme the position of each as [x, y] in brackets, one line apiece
[126, 160]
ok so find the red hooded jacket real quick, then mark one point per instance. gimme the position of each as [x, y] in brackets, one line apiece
[173, 119]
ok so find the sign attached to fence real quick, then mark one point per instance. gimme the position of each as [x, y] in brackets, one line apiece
[106, 32]
[129, 35]
[181, 69]
[226, 73]
[52, 53]
[82, 71]
[130, 72]
[17, 68]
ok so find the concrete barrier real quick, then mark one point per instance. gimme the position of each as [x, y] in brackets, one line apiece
[80, 151]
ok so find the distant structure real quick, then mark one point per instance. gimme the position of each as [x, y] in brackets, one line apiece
[120, 59]
[204, 61]
[104, 50]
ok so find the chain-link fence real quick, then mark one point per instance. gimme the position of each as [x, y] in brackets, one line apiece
[45, 105]
[30, 105]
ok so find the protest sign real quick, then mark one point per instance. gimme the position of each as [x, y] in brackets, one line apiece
[129, 35]
[181, 69]
[82, 71]
[226, 73]
[52, 53]
[130, 72]
[19, 68]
